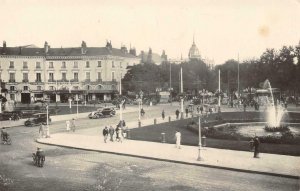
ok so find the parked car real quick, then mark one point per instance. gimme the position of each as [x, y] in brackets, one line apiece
[102, 113]
[37, 119]
[10, 115]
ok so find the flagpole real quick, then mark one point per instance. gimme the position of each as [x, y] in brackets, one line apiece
[181, 91]
[238, 75]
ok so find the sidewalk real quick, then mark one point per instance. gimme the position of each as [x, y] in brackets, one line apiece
[92, 139]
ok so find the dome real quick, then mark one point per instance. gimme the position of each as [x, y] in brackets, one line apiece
[194, 52]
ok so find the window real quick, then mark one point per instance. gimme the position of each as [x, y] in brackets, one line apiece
[87, 64]
[76, 76]
[113, 76]
[64, 76]
[12, 97]
[99, 63]
[87, 75]
[11, 77]
[38, 65]
[11, 64]
[75, 64]
[25, 65]
[39, 88]
[99, 76]
[25, 88]
[51, 65]
[51, 76]
[25, 77]
[38, 77]
[63, 65]
[112, 64]
[12, 88]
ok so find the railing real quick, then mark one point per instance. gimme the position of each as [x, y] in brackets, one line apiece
[12, 81]
[25, 80]
[51, 80]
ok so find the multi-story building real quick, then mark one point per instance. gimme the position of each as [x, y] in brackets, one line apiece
[91, 73]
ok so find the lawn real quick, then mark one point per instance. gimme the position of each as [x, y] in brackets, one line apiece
[153, 133]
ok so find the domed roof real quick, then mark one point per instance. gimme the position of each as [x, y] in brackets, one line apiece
[194, 52]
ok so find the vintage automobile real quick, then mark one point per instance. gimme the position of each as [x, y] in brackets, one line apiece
[102, 113]
[37, 119]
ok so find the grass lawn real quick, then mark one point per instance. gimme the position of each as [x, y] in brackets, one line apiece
[153, 133]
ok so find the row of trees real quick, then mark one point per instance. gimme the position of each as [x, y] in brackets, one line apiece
[281, 67]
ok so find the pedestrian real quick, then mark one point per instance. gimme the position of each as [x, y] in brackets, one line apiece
[245, 105]
[117, 133]
[111, 133]
[73, 126]
[68, 125]
[105, 133]
[198, 109]
[177, 113]
[256, 147]
[163, 114]
[178, 139]
[201, 109]
[41, 130]
[186, 112]
[120, 135]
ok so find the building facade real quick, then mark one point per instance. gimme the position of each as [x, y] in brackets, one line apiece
[29, 74]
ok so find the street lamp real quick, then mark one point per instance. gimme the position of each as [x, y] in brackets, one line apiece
[199, 149]
[48, 130]
[181, 91]
[77, 104]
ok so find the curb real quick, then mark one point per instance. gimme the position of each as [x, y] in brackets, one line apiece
[181, 162]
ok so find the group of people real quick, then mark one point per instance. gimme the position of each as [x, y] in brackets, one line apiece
[119, 131]
[70, 125]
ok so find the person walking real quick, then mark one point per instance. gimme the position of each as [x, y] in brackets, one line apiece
[163, 114]
[73, 126]
[201, 109]
[111, 133]
[41, 130]
[105, 133]
[117, 133]
[256, 147]
[186, 112]
[68, 125]
[198, 109]
[120, 135]
[177, 113]
[178, 139]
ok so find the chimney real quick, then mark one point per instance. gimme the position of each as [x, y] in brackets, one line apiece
[83, 48]
[4, 44]
[46, 47]
[20, 50]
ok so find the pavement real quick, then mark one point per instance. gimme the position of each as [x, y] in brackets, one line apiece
[92, 139]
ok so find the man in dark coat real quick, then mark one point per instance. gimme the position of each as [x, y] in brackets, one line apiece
[105, 133]
[186, 112]
[256, 146]
[111, 133]
[177, 113]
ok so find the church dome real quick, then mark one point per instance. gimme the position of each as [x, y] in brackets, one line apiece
[194, 52]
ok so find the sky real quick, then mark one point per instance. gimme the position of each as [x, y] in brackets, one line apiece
[223, 29]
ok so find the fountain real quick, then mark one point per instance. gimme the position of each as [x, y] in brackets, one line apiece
[274, 112]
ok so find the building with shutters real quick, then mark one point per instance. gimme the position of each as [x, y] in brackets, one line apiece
[29, 73]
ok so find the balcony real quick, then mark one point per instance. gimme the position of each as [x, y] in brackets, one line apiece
[74, 80]
[25, 80]
[63, 80]
[99, 80]
[51, 80]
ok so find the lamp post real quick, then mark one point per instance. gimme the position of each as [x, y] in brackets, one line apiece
[199, 149]
[47, 122]
[219, 101]
[181, 91]
[77, 105]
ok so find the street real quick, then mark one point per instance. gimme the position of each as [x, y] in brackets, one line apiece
[72, 169]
